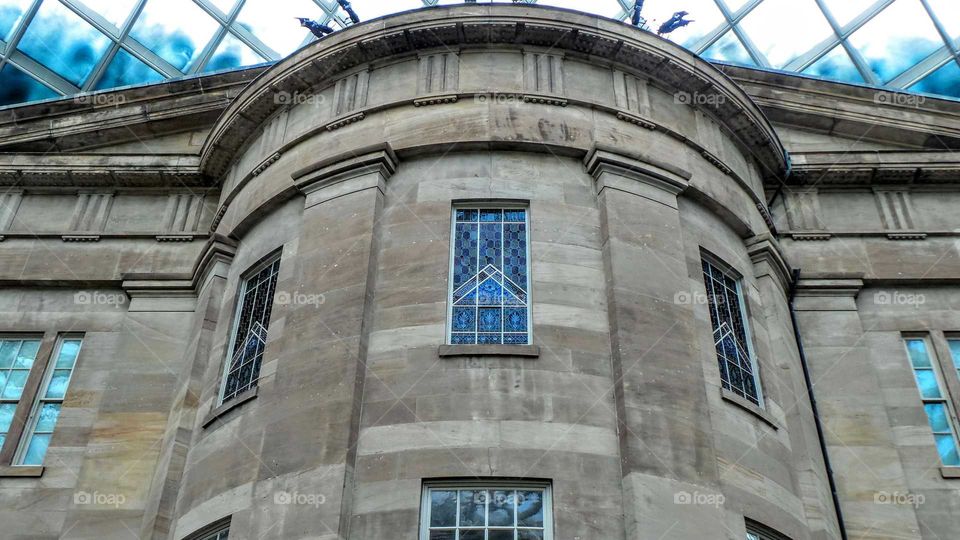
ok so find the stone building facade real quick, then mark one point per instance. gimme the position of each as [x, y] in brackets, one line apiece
[231, 302]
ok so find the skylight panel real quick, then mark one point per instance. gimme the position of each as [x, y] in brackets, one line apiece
[275, 22]
[845, 11]
[176, 30]
[11, 11]
[836, 65]
[897, 38]
[114, 11]
[944, 81]
[729, 49]
[781, 43]
[705, 14]
[232, 53]
[18, 87]
[66, 44]
[948, 13]
[125, 70]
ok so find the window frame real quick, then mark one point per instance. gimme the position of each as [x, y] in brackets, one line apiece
[939, 373]
[737, 277]
[245, 277]
[27, 434]
[23, 413]
[510, 204]
[212, 530]
[759, 531]
[486, 484]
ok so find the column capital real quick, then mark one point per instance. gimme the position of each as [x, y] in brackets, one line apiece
[637, 174]
[379, 158]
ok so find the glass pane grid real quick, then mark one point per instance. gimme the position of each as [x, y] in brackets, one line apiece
[891, 41]
[46, 411]
[486, 514]
[730, 333]
[490, 281]
[249, 341]
[931, 395]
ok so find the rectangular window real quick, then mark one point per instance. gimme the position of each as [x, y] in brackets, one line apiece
[249, 336]
[934, 400]
[452, 511]
[756, 531]
[490, 278]
[49, 401]
[731, 333]
[955, 353]
[17, 357]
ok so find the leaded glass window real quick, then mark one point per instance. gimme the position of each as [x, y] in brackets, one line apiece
[756, 531]
[490, 278]
[934, 401]
[17, 357]
[731, 333]
[250, 330]
[486, 512]
[49, 401]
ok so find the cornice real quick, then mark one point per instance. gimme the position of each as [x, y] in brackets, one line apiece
[874, 167]
[101, 170]
[564, 31]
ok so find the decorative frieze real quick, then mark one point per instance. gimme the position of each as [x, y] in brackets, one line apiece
[896, 209]
[438, 74]
[266, 163]
[350, 93]
[9, 204]
[89, 216]
[346, 120]
[543, 78]
[631, 93]
[181, 218]
[803, 210]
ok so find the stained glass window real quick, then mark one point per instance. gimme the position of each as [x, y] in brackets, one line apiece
[731, 333]
[508, 512]
[46, 410]
[490, 281]
[250, 330]
[934, 401]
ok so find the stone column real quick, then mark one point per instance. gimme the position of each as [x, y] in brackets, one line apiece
[321, 370]
[857, 429]
[664, 426]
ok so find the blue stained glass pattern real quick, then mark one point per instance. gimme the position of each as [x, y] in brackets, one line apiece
[490, 277]
[464, 319]
[730, 333]
[489, 319]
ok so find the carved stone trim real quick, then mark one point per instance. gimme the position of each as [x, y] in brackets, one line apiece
[380, 158]
[634, 119]
[347, 120]
[811, 237]
[435, 100]
[174, 238]
[906, 235]
[266, 163]
[81, 237]
[547, 100]
[716, 162]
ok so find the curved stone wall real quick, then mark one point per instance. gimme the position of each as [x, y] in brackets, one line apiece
[634, 157]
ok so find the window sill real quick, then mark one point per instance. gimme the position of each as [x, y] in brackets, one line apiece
[529, 351]
[21, 471]
[225, 408]
[950, 472]
[748, 406]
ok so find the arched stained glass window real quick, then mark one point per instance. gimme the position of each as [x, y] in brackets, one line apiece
[490, 278]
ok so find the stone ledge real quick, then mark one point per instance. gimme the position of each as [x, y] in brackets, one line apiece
[906, 236]
[80, 237]
[344, 121]
[950, 472]
[634, 119]
[529, 351]
[545, 100]
[224, 408]
[21, 471]
[748, 406]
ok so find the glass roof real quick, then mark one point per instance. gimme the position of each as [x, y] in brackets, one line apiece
[51, 48]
